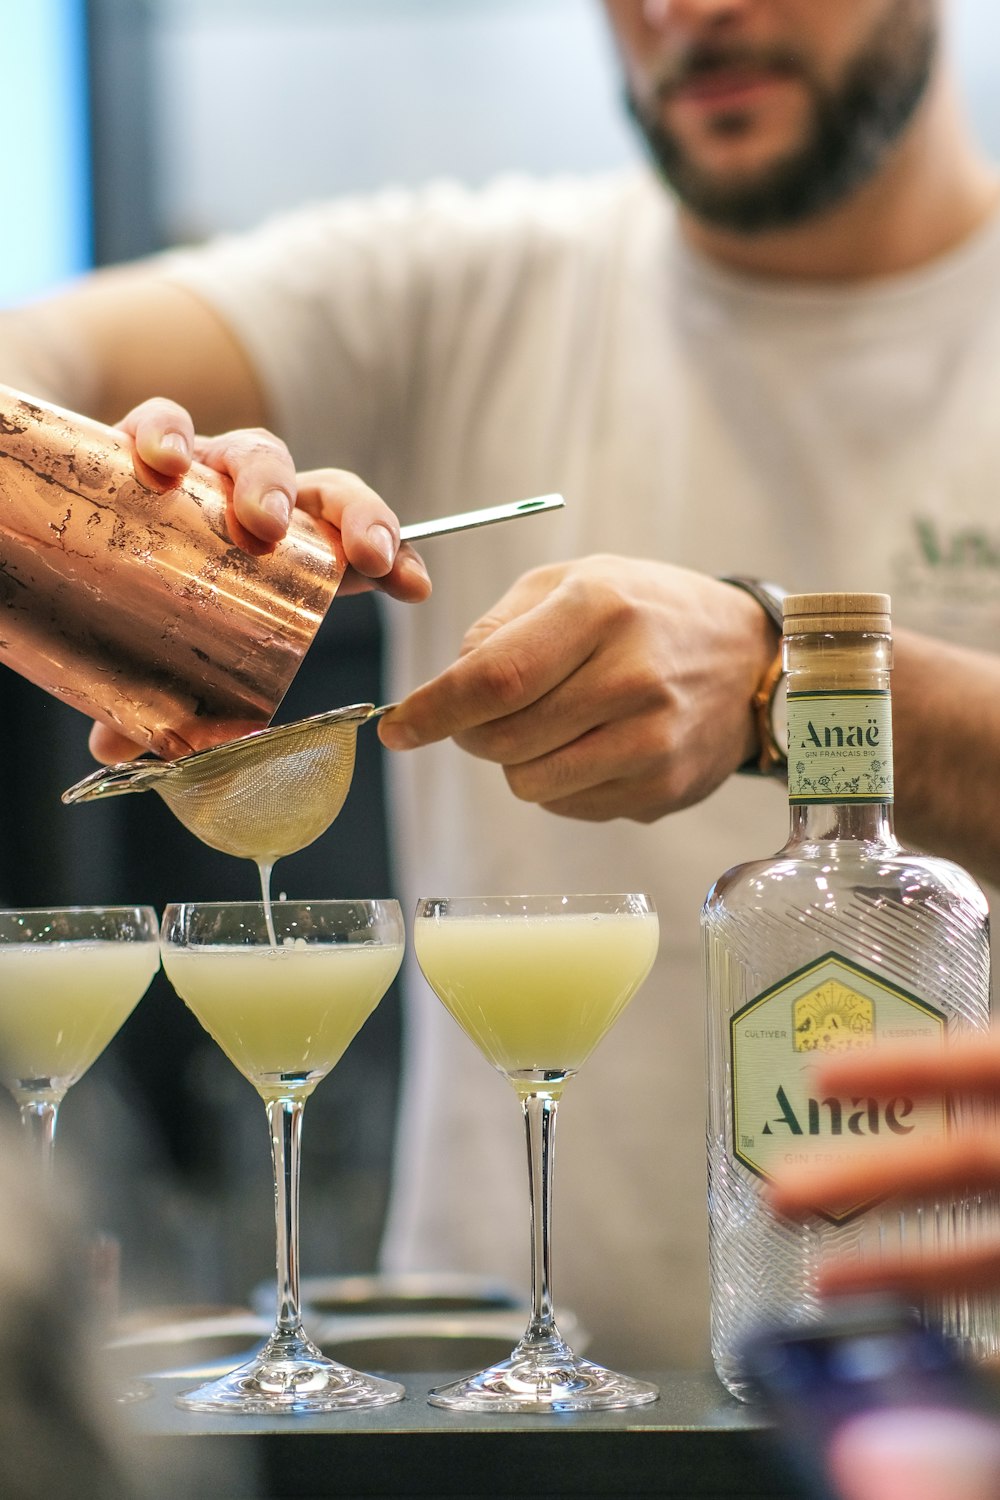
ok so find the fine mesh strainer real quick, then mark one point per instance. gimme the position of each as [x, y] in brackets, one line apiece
[261, 797]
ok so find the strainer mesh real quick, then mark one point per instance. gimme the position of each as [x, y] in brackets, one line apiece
[268, 796]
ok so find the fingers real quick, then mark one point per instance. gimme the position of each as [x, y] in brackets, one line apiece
[109, 747]
[517, 662]
[369, 532]
[966, 1162]
[970, 1065]
[949, 1170]
[964, 1069]
[575, 685]
[923, 1276]
[259, 465]
[163, 433]
[263, 476]
[266, 489]
[584, 779]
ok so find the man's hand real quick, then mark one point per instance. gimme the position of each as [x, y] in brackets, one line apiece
[967, 1161]
[608, 687]
[265, 489]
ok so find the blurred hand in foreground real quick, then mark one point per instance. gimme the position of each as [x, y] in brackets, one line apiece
[967, 1161]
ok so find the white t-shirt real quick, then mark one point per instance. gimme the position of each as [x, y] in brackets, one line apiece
[460, 349]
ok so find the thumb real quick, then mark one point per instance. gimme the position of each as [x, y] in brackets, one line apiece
[522, 597]
[109, 747]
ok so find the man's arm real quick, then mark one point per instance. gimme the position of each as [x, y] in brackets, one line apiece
[946, 731]
[105, 345]
[133, 350]
[118, 336]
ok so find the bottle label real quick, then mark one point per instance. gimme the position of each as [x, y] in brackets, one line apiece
[839, 746]
[780, 1118]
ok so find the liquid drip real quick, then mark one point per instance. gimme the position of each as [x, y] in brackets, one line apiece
[265, 891]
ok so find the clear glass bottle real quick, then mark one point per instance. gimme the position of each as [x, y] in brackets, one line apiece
[841, 938]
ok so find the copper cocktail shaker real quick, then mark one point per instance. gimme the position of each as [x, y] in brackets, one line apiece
[127, 597]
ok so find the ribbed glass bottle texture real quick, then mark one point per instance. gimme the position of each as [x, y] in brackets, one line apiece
[840, 939]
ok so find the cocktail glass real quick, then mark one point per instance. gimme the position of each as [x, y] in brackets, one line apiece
[284, 1013]
[69, 978]
[536, 981]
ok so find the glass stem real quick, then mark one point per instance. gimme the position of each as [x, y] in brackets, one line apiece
[540, 1127]
[284, 1117]
[38, 1119]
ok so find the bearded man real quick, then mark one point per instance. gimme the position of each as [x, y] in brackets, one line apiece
[775, 355]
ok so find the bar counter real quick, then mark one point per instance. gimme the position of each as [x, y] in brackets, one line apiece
[695, 1443]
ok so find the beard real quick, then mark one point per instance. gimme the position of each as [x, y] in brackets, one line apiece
[851, 129]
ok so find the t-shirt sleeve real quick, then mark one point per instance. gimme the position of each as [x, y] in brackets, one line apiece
[381, 326]
[327, 302]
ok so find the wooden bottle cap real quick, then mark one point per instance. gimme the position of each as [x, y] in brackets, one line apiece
[837, 613]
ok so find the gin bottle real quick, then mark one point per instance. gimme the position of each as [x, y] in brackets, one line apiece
[840, 939]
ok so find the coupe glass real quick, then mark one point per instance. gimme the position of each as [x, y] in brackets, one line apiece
[284, 1013]
[69, 978]
[536, 981]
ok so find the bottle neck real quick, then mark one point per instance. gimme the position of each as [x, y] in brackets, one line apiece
[867, 822]
[840, 737]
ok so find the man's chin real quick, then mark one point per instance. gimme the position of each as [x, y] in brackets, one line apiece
[746, 198]
[732, 175]
[728, 177]
[734, 148]
[747, 185]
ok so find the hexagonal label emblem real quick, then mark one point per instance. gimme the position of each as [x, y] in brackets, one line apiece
[833, 1004]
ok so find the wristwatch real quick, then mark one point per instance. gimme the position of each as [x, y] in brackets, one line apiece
[769, 698]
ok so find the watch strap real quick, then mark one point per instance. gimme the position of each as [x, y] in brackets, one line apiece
[771, 758]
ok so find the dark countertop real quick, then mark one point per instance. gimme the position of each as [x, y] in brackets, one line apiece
[695, 1443]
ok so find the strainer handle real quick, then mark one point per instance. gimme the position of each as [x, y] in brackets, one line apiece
[469, 519]
[113, 781]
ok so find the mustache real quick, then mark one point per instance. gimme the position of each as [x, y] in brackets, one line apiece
[701, 59]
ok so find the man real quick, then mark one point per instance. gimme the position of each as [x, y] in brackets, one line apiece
[791, 372]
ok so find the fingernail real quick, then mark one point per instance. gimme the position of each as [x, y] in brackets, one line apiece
[175, 442]
[396, 736]
[415, 567]
[277, 505]
[382, 539]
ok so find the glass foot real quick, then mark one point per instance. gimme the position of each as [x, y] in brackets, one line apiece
[547, 1379]
[291, 1375]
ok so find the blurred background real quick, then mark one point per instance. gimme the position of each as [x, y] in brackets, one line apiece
[132, 125]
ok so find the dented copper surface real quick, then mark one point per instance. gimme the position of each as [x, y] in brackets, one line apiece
[128, 598]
